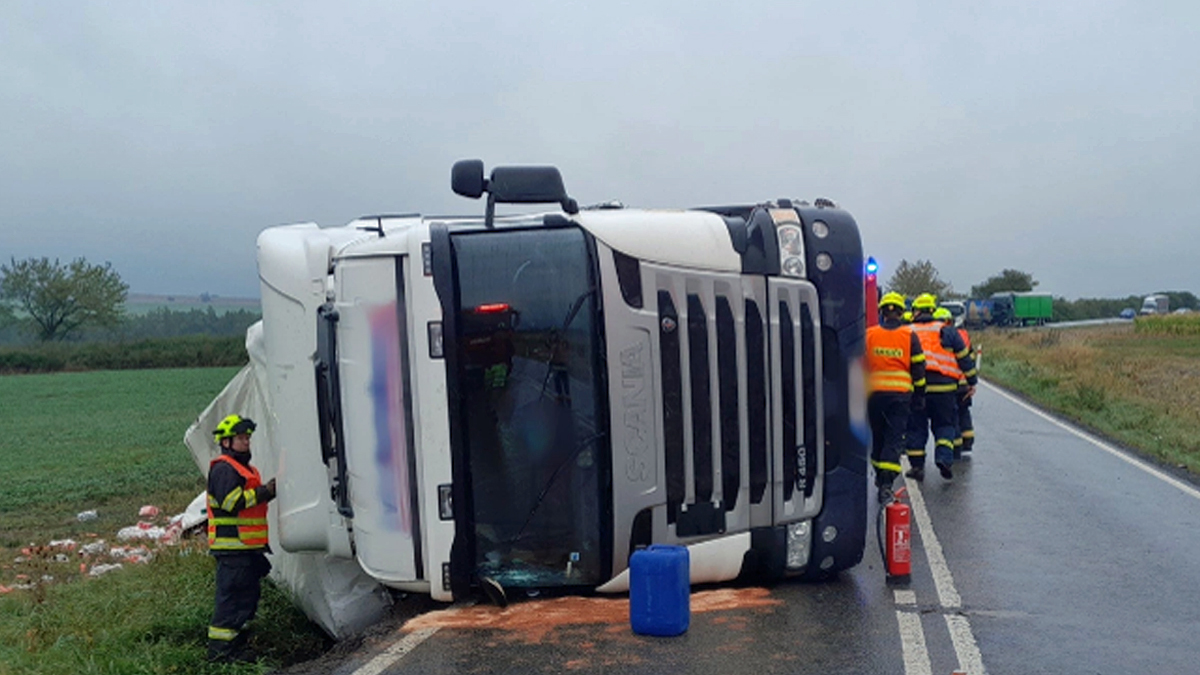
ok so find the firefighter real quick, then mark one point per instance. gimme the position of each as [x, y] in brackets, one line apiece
[947, 360]
[966, 426]
[943, 315]
[237, 537]
[896, 385]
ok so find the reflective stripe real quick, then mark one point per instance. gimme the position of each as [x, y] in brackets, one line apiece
[919, 383]
[890, 380]
[969, 433]
[223, 634]
[941, 388]
[946, 442]
[251, 497]
[886, 466]
[228, 544]
[938, 359]
[958, 441]
[238, 521]
[964, 352]
[231, 499]
[915, 453]
[919, 358]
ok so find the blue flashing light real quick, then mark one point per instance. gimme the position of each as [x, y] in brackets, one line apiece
[872, 266]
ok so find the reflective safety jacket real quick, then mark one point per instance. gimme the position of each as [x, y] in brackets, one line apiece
[895, 361]
[237, 507]
[947, 359]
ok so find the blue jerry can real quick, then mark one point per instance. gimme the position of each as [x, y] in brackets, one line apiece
[660, 591]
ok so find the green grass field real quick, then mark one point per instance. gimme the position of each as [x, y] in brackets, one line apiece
[1138, 384]
[113, 441]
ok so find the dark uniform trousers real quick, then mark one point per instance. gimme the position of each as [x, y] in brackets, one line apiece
[966, 427]
[239, 586]
[940, 414]
[888, 412]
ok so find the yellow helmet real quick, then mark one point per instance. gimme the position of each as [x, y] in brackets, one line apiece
[925, 301]
[234, 425]
[892, 299]
[942, 314]
[907, 316]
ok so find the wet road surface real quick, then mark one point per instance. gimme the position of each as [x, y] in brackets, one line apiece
[1048, 552]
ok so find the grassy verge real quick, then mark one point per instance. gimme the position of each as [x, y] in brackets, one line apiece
[112, 441]
[1138, 384]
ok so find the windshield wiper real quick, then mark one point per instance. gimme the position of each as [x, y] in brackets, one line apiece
[556, 337]
[550, 483]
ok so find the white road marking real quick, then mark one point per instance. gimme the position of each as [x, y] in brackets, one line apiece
[942, 579]
[396, 652]
[1167, 478]
[969, 659]
[905, 597]
[912, 643]
[965, 647]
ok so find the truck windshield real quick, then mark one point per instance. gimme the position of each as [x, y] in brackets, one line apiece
[533, 405]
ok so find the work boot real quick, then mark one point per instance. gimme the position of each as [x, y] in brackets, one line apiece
[945, 471]
[885, 494]
[916, 473]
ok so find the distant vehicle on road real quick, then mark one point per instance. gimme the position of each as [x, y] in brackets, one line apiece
[1021, 309]
[1127, 313]
[1156, 304]
[958, 310]
[1182, 310]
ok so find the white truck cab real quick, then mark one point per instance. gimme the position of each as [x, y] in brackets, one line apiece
[528, 399]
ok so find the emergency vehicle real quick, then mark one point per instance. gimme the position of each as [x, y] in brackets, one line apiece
[525, 400]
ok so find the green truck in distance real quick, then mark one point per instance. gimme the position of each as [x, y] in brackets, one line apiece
[1021, 309]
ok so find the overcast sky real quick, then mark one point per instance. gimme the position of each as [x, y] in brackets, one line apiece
[1058, 138]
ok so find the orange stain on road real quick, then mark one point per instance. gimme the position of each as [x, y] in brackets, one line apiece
[531, 621]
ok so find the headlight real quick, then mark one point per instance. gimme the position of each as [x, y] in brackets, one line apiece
[793, 266]
[799, 542]
[789, 240]
[791, 250]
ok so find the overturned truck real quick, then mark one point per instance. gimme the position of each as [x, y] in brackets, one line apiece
[522, 401]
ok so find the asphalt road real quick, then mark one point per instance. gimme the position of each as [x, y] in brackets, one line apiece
[1049, 552]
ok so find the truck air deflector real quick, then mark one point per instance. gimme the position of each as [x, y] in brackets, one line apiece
[458, 575]
[629, 276]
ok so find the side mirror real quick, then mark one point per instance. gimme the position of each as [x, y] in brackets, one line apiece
[528, 185]
[466, 178]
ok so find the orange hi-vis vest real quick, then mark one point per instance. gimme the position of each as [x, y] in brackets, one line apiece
[247, 529]
[889, 359]
[937, 358]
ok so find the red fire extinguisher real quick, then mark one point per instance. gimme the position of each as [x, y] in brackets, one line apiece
[898, 530]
